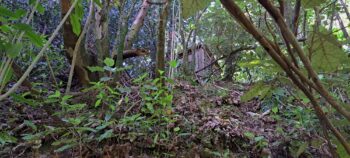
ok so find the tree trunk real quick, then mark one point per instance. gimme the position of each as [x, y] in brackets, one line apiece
[342, 26]
[136, 25]
[345, 7]
[298, 78]
[230, 66]
[160, 63]
[102, 32]
[70, 39]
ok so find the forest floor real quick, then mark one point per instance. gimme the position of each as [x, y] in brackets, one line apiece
[208, 125]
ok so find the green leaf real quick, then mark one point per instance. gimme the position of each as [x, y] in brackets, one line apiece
[98, 103]
[23, 100]
[75, 107]
[105, 135]
[57, 94]
[249, 135]
[173, 63]
[191, 7]
[75, 21]
[19, 13]
[6, 12]
[105, 79]
[309, 4]
[40, 9]
[260, 89]
[74, 121]
[6, 138]
[96, 69]
[109, 62]
[275, 109]
[32, 36]
[150, 107]
[65, 147]
[326, 52]
[36, 39]
[98, 2]
[259, 138]
[23, 27]
[30, 124]
[176, 129]
[14, 50]
[301, 149]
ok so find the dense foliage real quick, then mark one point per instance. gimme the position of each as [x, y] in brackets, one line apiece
[174, 78]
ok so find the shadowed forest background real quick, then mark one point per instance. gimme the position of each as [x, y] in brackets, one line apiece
[174, 78]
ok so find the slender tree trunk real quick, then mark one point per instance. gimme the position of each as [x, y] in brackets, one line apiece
[184, 45]
[137, 24]
[295, 24]
[345, 7]
[118, 49]
[331, 23]
[160, 63]
[101, 32]
[342, 26]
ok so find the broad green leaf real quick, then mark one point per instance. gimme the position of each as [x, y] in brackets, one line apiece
[109, 62]
[5, 28]
[14, 50]
[19, 13]
[173, 63]
[191, 7]
[326, 52]
[79, 9]
[260, 89]
[5, 12]
[40, 9]
[309, 4]
[75, 21]
[32, 36]
[36, 39]
[22, 27]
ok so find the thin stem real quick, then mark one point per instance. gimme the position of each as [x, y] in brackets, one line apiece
[37, 58]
